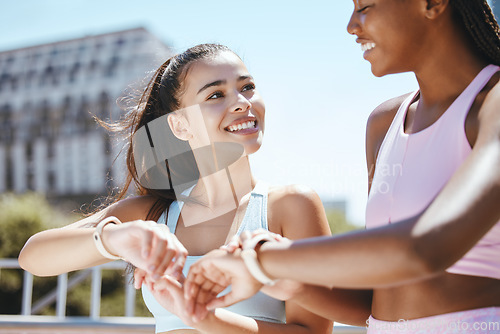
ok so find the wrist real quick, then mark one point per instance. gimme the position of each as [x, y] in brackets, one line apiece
[260, 251]
[110, 238]
[202, 325]
[102, 240]
[267, 253]
[250, 256]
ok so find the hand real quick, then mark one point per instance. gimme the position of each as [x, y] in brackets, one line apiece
[147, 245]
[169, 293]
[211, 275]
[142, 277]
[238, 241]
[284, 289]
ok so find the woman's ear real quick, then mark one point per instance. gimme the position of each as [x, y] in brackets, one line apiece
[179, 126]
[435, 8]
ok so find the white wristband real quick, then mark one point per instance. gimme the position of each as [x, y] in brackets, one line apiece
[249, 256]
[98, 237]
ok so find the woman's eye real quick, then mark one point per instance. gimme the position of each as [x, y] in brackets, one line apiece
[363, 9]
[248, 87]
[215, 95]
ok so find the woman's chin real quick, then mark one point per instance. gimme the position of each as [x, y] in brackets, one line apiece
[251, 149]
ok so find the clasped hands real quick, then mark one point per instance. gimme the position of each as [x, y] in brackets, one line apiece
[194, 297]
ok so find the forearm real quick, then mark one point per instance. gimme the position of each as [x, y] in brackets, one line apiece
[61, 250]
[351, 307]
[405, 251]
[225, 322]
[357, 260]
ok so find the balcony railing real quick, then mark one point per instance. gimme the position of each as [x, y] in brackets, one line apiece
[28, 323]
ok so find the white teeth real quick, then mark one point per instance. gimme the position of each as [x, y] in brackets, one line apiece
[241, 126]
[367, 46]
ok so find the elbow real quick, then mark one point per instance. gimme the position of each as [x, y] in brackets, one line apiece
[24, 258]
[28, 262]
[427, 260]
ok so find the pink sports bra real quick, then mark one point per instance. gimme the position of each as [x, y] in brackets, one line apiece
[412, 169]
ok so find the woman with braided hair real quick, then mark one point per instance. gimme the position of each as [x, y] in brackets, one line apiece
[429, 260]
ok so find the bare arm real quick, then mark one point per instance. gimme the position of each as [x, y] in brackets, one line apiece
[350, 307]
[415, 248]
[69, 248]
[302, 215]
[299, 213]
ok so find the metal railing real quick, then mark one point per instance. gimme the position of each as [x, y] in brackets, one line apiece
[63, 284]
[27, 319]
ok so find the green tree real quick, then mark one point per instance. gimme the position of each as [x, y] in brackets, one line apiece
[338, 222]
[21, 216]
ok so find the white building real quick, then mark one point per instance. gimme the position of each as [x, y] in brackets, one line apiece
[49, 141]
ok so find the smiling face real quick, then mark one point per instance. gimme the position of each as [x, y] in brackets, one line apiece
[391, 33]
[230, 108]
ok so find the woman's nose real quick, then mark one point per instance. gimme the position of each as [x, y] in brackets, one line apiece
[353, 26]
[242, 104]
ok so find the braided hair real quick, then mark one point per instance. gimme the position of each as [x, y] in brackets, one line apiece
[481, 26]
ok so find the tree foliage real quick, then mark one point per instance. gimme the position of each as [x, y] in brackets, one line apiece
[21, 216]
[338, 222]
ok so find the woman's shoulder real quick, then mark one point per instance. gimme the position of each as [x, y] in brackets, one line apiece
[489, 115]
[291, 194]
[131, 208]
[378, 124]
[382, 116]
[296, 211]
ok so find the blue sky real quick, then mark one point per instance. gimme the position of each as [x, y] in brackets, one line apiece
[318, 89]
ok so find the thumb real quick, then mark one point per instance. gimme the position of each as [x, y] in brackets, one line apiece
[223, 301]
[167, 283]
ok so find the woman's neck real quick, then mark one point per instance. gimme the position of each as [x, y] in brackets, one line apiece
[228, 185]
[447, 67]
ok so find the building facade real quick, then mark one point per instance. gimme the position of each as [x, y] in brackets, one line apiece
[49, 94]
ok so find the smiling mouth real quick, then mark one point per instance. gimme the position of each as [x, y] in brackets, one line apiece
[367, 46]
[241, 126]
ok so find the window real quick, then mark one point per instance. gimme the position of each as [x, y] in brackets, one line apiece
[112, 65]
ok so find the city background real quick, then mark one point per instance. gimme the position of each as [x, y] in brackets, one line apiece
[62, 62]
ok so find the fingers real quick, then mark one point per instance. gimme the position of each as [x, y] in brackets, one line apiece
[200, 289]
[139, 276]
[222, 301]
[175, 268]
[167, 255]
[147, 243]
[200, 312]
[244, 236]
[167, 283]
[207, 293]
[232, 245]
[191, 289]
[211, 279]
[237, 241]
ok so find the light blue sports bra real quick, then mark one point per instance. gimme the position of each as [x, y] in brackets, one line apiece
[260, 306]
